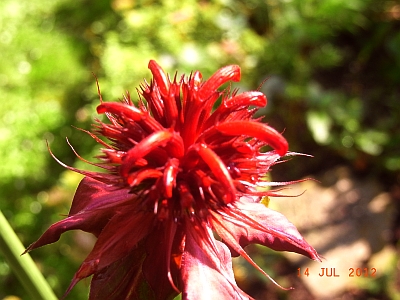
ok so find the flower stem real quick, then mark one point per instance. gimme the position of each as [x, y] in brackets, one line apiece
[23, 266]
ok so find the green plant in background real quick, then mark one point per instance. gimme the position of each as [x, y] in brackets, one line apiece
[39, 68]
[334, 82]
[24, 267]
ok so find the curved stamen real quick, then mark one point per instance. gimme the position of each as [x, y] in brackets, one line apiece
[150, 143]
[220, 77]
[220, 171]
[238, 102]
[159, 77]
[136, 178]
[121, 109]
[170, 171]
[257, 130]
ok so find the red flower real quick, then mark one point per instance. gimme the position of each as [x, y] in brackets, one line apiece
[177, 173]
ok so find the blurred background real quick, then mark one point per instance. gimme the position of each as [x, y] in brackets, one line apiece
[333, 87]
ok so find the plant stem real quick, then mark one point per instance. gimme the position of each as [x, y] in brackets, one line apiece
[23, 266]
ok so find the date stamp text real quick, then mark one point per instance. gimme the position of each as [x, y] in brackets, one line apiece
[332, 272]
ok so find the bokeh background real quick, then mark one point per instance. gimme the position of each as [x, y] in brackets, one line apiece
[333, 86]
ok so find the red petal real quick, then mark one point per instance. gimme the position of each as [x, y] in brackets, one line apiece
[257, 130]
[131, 113]
[206, 274]
[220, 77]
[219, 170]
[92, 208]
[122, 280]
[159, 269]
[165, 138]
[121, 109]
[137, 177]
[228, 237]
[159, 77]
[162, 83]
[134, 276]
[169, 179]
[87, 193]
[269, 228]
[238, 102]
[119, 237]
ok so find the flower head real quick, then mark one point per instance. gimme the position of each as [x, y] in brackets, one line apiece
[176, 174]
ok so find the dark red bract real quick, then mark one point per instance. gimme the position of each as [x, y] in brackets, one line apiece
[178, 172]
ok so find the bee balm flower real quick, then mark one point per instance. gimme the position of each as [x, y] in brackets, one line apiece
[176, 174]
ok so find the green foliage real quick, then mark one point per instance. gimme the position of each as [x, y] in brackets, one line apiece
[334, 89]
